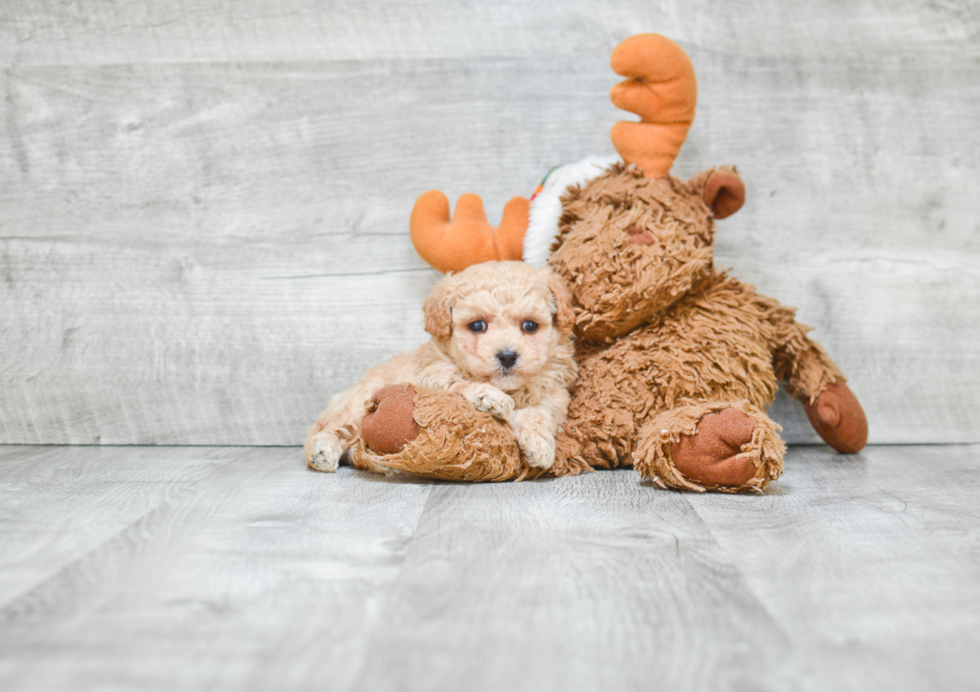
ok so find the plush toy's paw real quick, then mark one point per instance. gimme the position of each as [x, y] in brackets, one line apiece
[838, 418]
[323, 452]
[389, 425]
[711, 457]
[486, 397]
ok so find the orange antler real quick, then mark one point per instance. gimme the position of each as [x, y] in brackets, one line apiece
[663, 91]
[469, 238]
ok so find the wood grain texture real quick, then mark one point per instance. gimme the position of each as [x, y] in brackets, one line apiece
[856, 559]
[117, 32]
[89, 495]
[261, 561]
[597, 583]
[850, 573]
[203, 221]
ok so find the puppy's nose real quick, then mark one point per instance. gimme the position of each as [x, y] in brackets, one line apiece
[507, 358]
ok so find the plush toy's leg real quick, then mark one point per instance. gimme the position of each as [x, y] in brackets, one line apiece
[437, 434]
[814, 379]
[723, 446]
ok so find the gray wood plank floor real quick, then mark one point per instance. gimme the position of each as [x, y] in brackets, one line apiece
[236, 568]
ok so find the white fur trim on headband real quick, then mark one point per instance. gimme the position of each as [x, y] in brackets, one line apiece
[542, 227]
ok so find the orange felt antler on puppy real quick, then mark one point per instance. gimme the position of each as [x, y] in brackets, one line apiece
[663, 91]
[451, 246]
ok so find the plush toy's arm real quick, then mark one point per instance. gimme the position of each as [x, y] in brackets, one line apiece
[814, 379]
[799, 361]
[483, 397]
[436, 434]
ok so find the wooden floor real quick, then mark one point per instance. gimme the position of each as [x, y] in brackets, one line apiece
[238, 569]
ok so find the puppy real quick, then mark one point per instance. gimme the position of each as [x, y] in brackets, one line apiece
[501, 338]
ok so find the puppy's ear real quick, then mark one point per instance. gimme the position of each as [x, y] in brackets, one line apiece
[437, 309]
[564, 315]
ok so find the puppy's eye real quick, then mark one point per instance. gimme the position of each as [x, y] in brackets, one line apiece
[530, 326]
[477, 326]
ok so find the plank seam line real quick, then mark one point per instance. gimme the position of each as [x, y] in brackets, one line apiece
[745, 583]
[380, 272]
[386, 595]
[6, 603]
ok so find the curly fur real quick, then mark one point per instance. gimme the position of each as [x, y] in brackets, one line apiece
[664, 337]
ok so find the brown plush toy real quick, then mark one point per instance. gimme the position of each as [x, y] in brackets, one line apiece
[677, 359]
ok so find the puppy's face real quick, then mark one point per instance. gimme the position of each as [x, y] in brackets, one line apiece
[501, 322]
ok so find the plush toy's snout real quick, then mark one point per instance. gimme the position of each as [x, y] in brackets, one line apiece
[640, 236]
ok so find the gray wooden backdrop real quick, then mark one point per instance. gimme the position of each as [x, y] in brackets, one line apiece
[204, 205]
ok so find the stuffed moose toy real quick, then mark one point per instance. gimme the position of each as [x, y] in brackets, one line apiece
[677, 360]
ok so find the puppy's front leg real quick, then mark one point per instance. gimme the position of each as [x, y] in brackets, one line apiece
[535, 430]
[483, 397]
[486, 397]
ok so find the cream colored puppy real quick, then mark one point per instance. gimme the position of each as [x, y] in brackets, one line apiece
[501, 338]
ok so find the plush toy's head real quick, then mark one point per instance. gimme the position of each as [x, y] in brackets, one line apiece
[630, 247]
[634, 240]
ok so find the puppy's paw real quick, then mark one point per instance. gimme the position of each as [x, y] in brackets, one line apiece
[486, 397]
[538, 449]
[533, 430]
[323, 452]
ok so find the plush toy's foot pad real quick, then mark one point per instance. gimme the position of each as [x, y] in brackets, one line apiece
[452, 440]
[390, 426]
[723, 446]
[838, 418]
[712, 455]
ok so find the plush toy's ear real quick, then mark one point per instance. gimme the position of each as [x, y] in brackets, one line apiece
[724, 192]
[438, 311]
[721, 189]
[564, 315]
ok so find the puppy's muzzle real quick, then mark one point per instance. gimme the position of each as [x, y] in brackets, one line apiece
[507, 359]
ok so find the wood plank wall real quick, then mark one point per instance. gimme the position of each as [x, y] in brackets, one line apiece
[204, 205]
